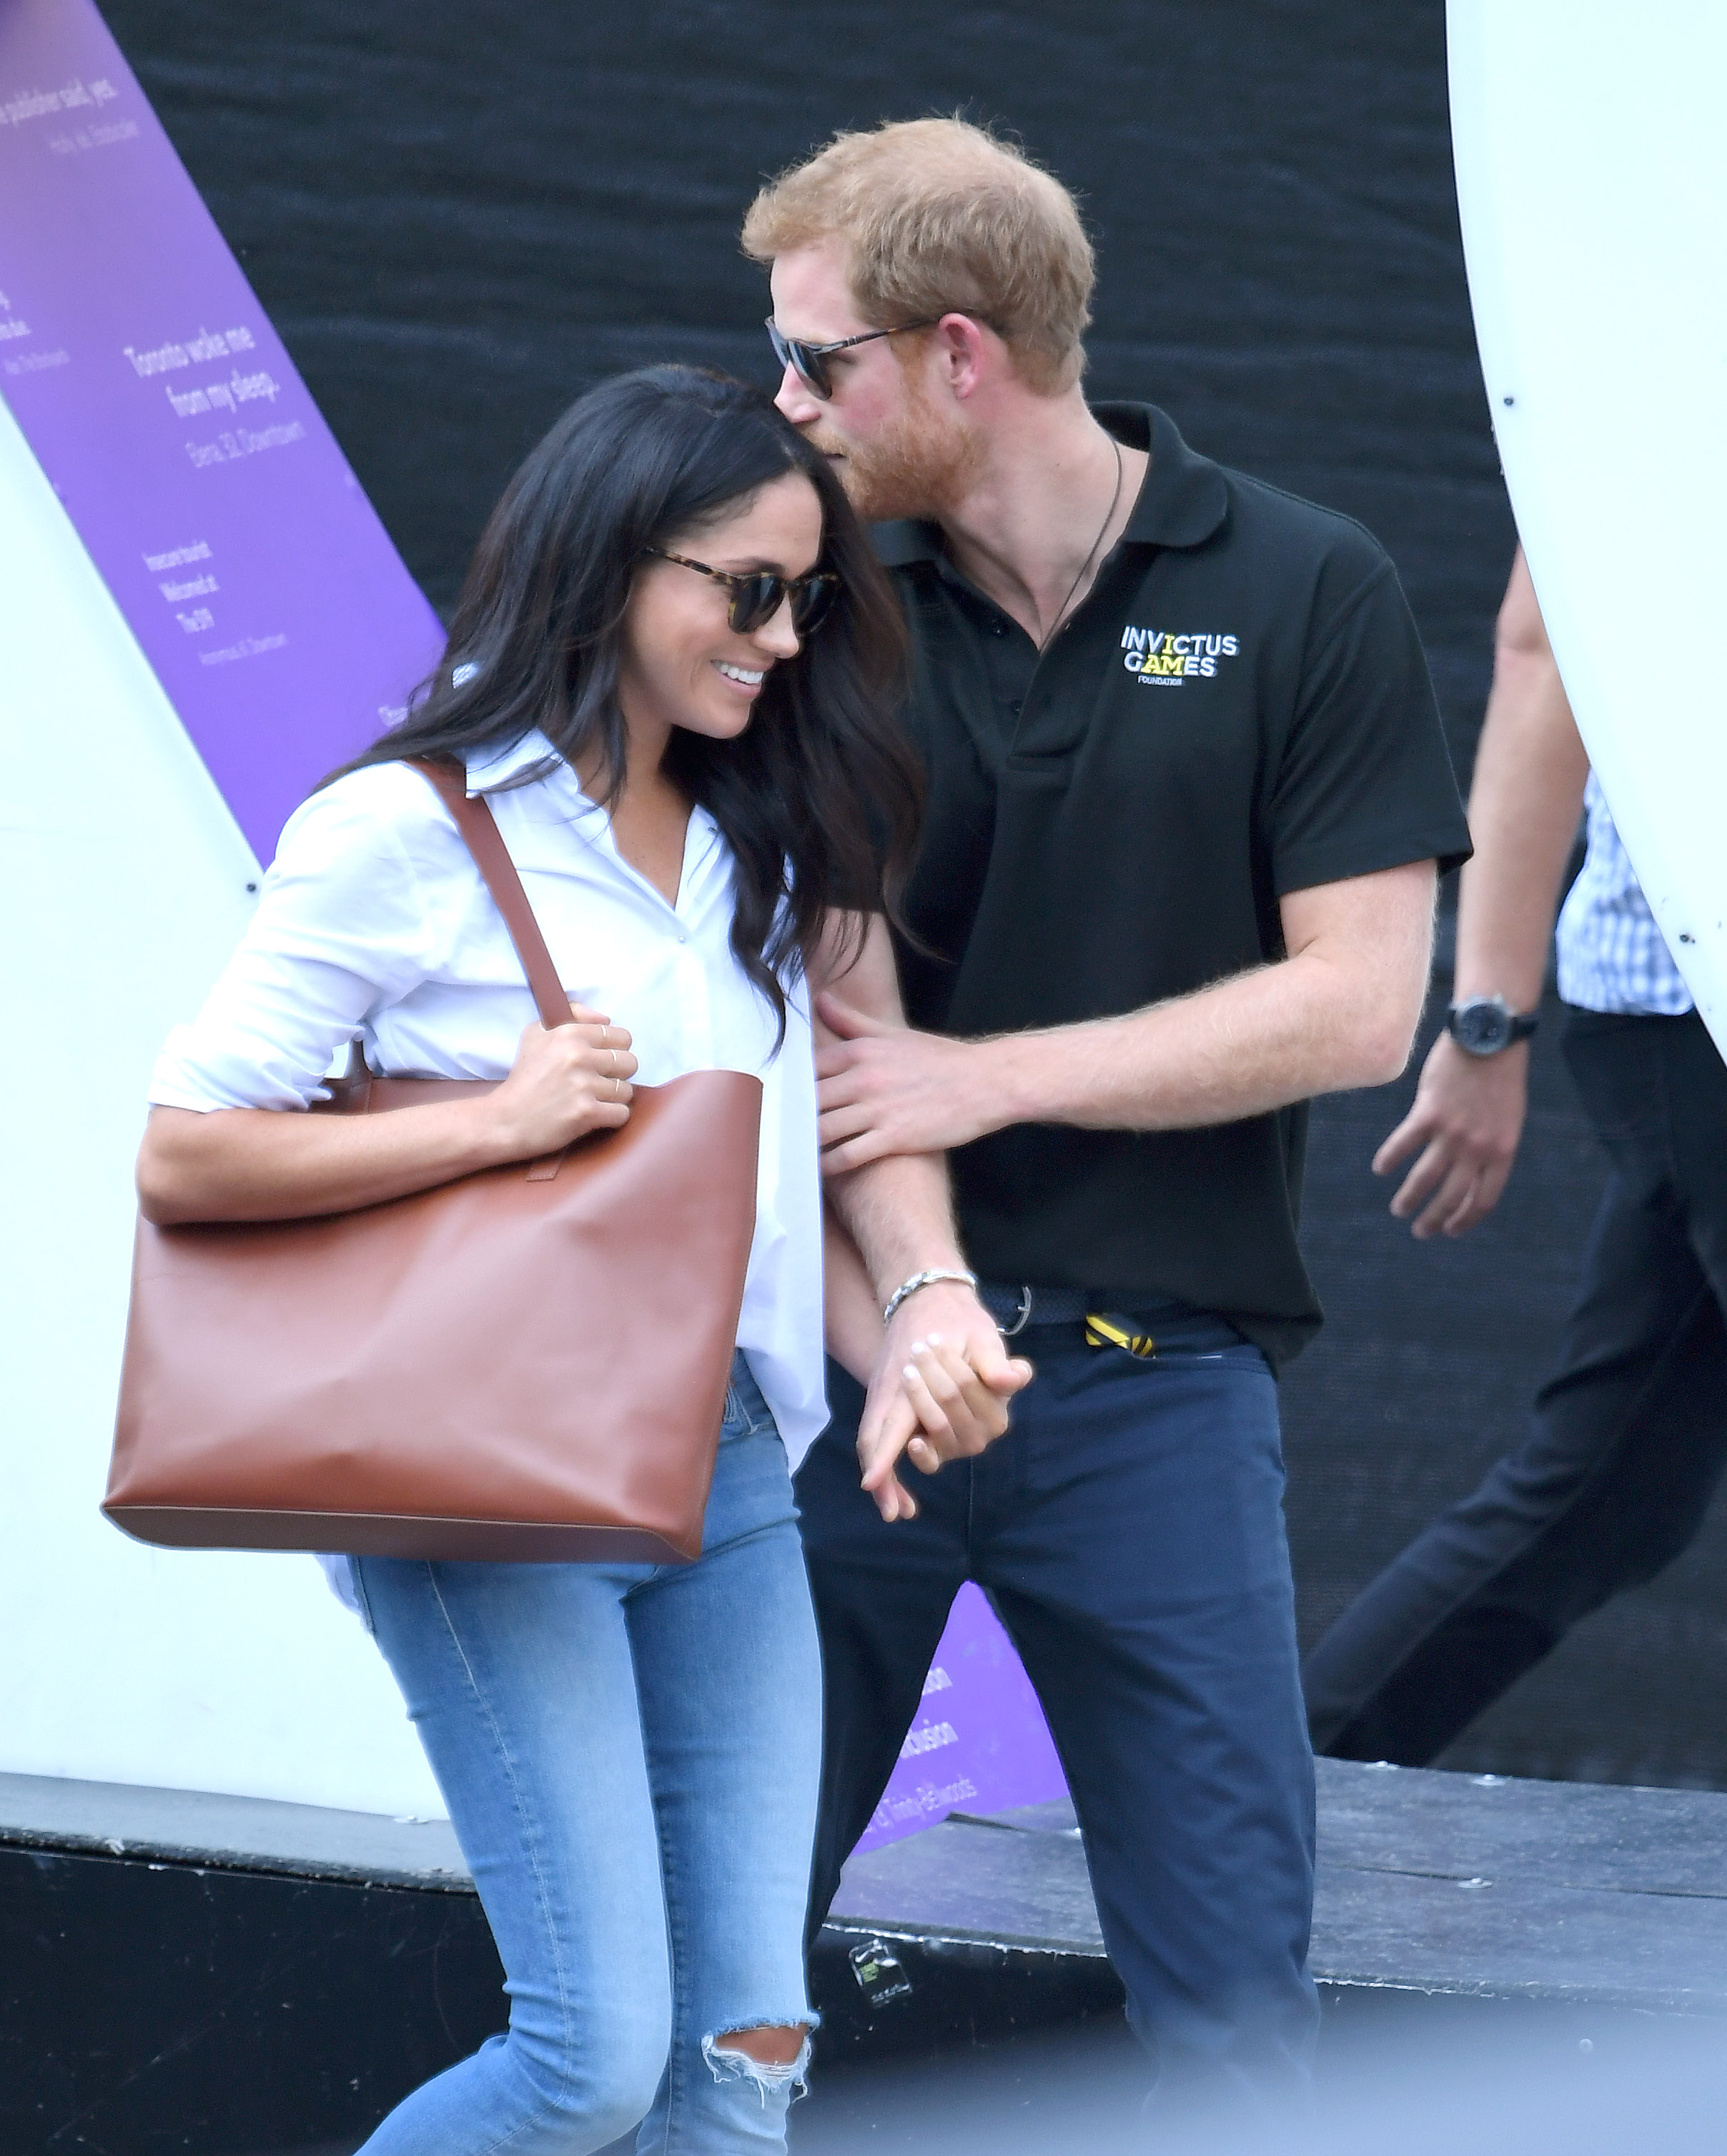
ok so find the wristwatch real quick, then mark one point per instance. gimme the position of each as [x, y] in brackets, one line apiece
[1487, 1025]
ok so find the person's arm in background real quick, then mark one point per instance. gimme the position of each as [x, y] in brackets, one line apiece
[1524, 803]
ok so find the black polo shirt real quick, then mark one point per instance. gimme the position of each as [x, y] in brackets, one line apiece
[1240, 708]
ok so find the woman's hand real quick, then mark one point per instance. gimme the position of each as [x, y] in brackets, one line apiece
[958, 1413]
[265, 1164]
[937, 1395]
[566, 1081]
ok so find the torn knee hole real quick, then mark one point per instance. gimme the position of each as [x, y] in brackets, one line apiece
[773, 2055]
[765, 2046]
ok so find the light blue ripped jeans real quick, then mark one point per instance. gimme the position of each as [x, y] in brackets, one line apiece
[631, 1756]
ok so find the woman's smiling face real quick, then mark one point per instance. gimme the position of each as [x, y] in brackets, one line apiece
[683, 665]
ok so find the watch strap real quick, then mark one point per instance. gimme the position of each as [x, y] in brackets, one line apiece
[1520, 1025]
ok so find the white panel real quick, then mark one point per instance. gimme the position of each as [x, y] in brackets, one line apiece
[1592, 162]
[123, 888]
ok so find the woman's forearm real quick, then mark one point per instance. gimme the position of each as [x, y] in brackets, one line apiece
[265, 1164]
[262, 1164]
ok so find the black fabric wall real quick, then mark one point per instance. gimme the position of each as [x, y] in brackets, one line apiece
[458, 216]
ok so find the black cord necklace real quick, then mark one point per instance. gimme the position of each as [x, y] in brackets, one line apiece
[1061, 613]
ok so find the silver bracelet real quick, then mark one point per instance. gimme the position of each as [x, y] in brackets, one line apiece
[922, 1280]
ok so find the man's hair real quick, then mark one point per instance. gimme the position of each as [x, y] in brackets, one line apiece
[940, 217]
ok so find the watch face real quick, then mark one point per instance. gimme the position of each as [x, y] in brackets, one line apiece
[1483, 1027]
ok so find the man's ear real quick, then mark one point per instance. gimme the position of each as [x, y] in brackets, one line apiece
[962, 345]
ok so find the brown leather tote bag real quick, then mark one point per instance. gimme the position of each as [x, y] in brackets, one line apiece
[529, 1362]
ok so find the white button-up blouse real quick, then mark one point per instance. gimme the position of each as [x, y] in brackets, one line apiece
[373, 920]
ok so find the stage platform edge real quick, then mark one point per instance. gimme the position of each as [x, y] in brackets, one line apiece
[212, 1974]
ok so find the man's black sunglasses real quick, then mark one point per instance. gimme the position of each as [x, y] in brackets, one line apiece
[810, 361]
[757, 598]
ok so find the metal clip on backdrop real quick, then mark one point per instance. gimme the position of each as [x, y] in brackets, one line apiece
[529, 1362]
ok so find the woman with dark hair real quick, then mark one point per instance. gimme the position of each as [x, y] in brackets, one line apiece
[670, 671]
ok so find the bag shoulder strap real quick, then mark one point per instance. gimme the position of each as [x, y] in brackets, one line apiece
[478, 827]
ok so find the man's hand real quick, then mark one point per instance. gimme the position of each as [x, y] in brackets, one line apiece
[884, 1089]
[1340, 1010]
[940, 1391]
[1465, 1124]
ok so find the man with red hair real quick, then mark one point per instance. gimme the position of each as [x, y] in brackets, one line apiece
[1187, 795]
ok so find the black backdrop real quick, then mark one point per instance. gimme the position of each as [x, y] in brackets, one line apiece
[459, 215]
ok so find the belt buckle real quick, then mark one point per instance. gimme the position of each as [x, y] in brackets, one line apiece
[1022, 1316]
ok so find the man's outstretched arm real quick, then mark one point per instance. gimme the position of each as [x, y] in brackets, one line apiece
[1525, 803]
[1340, 1010]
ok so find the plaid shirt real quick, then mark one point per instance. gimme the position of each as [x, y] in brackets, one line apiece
[1612, 957]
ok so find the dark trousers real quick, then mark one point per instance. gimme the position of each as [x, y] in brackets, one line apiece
[1129, 1529]
[1626, 1444]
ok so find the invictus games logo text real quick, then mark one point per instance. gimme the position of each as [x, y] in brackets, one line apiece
[1155, 655]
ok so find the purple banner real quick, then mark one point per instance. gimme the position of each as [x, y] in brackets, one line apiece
[204, 484]
[980, 1743]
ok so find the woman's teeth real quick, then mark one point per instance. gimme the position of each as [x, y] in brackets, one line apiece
[750, 681]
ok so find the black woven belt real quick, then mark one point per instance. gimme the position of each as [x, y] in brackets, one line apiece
[1015, 1309]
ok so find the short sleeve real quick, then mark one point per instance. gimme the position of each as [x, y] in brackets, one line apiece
[1365, 780]
[343, 927]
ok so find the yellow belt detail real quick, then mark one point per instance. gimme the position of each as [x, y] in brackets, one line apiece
[1106, 1329]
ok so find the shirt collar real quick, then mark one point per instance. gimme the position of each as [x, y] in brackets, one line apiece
[1185, 497]
[1183, 501]
[494, 770]
[490, 770]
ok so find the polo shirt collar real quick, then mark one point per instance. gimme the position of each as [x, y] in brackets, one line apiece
[1184, 497]
[1183, 501]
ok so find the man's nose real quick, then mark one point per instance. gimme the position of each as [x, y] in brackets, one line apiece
[797, 399]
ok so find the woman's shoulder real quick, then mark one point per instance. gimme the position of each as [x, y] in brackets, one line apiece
[381, 810]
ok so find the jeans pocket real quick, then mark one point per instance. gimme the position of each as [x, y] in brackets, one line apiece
[363, 1605]
[746, 1411]
[1235, 1355]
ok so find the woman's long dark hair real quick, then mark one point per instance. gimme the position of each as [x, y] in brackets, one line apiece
[818, 797]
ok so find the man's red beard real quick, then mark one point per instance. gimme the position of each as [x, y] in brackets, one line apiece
[916, 467]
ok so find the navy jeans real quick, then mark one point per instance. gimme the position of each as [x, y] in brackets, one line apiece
[1625, 1447]
[1130, 1530]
